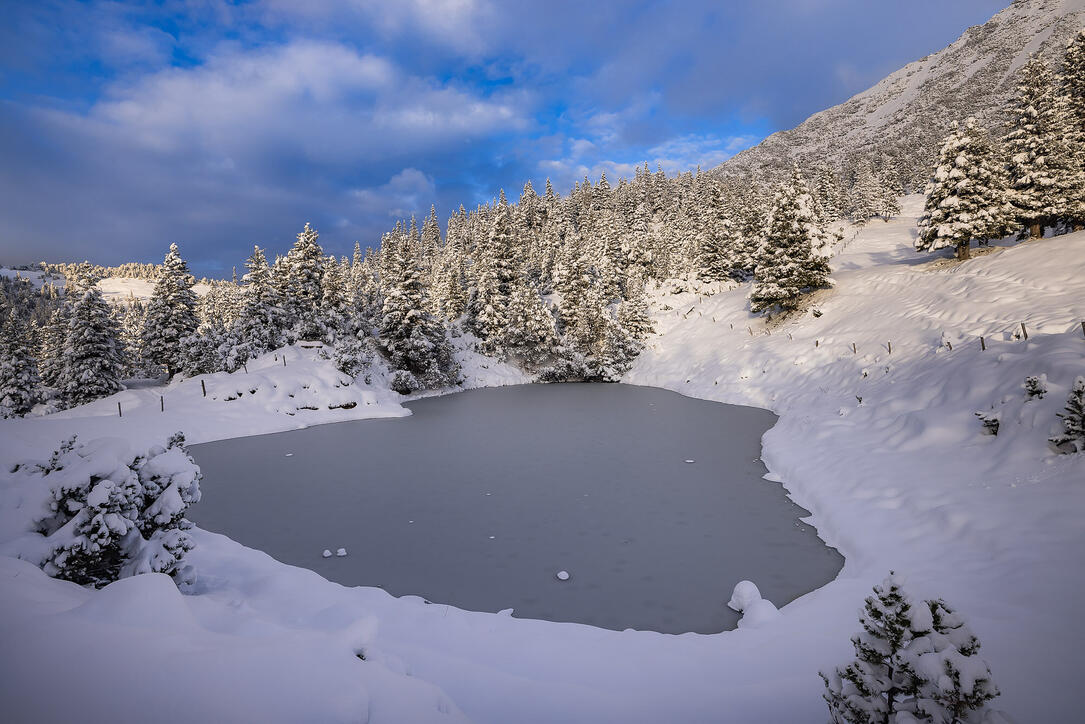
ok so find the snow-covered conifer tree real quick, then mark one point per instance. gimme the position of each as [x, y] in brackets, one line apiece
[93, 358]
[263, 322]
[1040, 158]
[967, 195]
[51, 351]
[1072, 437]
[882, 682]
[171, 313]
[786, 263]
[495, 277]
[956, 681]
[633, 313]
[18, 376]
[531, 336]
[304, 267]
[413, 341]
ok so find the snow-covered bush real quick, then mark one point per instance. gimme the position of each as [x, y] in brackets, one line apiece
[404, 382]
[1072, 437]
[913, 663]
[1035, 387]
[352, 356]
[990, 421]
[110, 517]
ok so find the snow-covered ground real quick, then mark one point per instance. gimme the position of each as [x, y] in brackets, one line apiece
[903, 479]
[114, 289]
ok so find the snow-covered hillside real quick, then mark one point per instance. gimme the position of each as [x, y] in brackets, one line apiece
[902, 479]
[114, 289]
[909, 111]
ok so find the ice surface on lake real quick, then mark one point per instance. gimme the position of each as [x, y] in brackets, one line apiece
[582, 478]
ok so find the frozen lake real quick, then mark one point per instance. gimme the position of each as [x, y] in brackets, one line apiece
[480, 498]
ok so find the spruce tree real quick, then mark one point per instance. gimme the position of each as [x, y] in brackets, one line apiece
[495, 279]
[171, 313]
[786, 263]
[304, 269]
[413, 341]
[18, 376]
[956, 681]
[1072, 79]
[51, 350]
[1039, 157]
[882, 681]
[531, 336]
[93, 359]
[263, 322]
[633, 313]
[967, 195]
[1072, 437]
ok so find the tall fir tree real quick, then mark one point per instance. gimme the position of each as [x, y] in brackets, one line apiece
[93, 357]
[18, 374]
[1072, 81]
[51, 349]
[304, 267]
[1040, 158]
[967, 197]
[171, 313]
[787, 266]
[263, 322]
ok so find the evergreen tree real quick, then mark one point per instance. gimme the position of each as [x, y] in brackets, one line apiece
[495, 279]
[51, 351]
[304, 269]
[171, 313]
[18, 376]
[633, 314]
[1073, 92]
[956, 681]
[531, 336]
[263, 322]
[882, 681]
[1073, 419]
[413, 341]
[967, 195]
[1040, 159]
[786, 263]
[93, 361]
[717, 239]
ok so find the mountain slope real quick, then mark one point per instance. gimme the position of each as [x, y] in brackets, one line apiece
[907, 113]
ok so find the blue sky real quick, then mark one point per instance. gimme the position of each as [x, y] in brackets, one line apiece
[217, 125]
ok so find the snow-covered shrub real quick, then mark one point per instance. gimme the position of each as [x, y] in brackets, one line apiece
[404, 382]
[914, 663]
[1072, 437]
[990, 420]
[1035, 387]
[108, 518]
[352, 356]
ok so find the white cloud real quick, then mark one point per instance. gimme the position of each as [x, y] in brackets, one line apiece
[409, 191]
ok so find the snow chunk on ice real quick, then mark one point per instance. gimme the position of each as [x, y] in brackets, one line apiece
[744, 594]
[327, 553]
[689, 461]
[341, 552]
[563, 575]
[758, 613]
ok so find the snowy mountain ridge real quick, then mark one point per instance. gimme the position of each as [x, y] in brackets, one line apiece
[906, 114]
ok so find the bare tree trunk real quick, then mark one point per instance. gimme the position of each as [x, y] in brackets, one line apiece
[963, 251]
[1036, 231]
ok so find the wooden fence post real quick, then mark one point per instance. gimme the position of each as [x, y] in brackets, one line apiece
[1083, 328]
[284, 360]
[890, 346]
[1024, 331]
[853, 349]
[162, 403]
[246, 366]
[119, 413]
[204, 388]
[983, 345]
